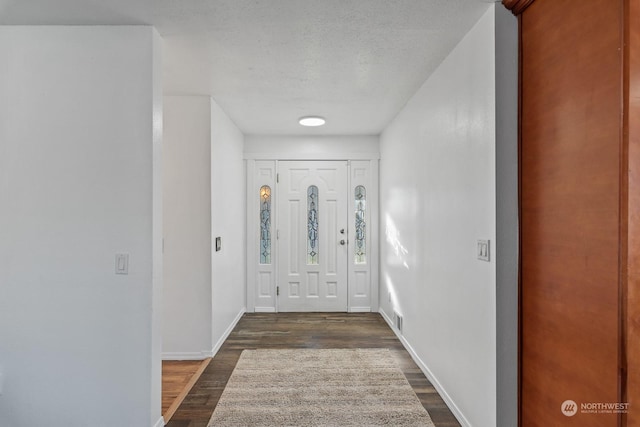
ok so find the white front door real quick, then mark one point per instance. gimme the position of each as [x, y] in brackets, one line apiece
[312, 242]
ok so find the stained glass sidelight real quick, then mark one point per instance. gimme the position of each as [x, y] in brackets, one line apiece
[265, 225]
[312, 225]
[361, 235]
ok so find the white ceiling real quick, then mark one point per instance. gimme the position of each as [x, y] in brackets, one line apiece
[269, 62]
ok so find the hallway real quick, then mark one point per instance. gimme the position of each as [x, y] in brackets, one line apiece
[303, 330]
[130, 131]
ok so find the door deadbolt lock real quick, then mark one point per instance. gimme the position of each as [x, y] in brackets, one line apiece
[342, 231]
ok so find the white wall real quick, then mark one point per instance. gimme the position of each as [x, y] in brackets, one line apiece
[437, 198]
[228, 222]
[156, 231]
[204, 291]
[311, 147]
[80, 115]
[186, 326]
[506, 247]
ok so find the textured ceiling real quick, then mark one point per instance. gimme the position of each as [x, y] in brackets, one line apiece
[269, 62]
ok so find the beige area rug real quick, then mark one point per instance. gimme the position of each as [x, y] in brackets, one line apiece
[309, 387]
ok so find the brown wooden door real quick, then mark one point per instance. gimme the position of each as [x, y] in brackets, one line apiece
[631, 213]
[571, 65]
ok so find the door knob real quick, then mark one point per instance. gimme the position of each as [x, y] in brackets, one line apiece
[342, 242]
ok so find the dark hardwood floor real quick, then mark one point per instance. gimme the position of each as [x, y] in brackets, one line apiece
[303, 330]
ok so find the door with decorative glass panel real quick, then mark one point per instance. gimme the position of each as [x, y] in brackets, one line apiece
[312, 242]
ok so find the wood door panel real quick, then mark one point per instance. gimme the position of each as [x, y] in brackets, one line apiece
[632, 212]
[570, 192]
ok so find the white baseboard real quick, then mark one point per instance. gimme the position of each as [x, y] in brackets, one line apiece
[226, 333]
[359, 309]
[159, 423]
[201, 355]
[265, 310]
[195, 355]
[427, 373]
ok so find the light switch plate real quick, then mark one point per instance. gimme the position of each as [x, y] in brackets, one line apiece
[122, 263]
[483, 250]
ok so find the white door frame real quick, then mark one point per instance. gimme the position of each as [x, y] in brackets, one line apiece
[261, 279]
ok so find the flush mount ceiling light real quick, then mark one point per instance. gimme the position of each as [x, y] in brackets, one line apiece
[312, 121]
